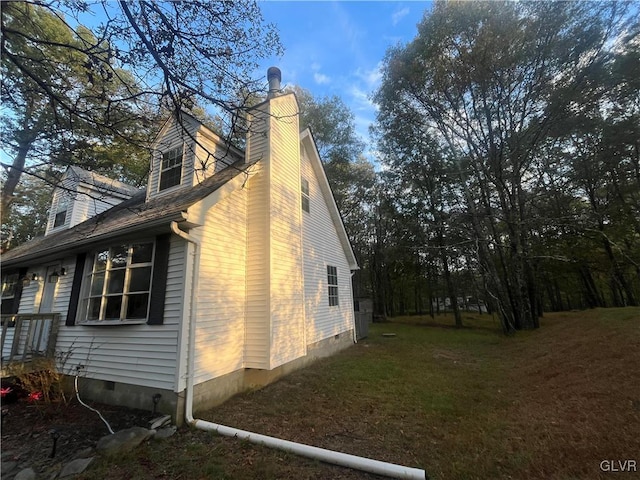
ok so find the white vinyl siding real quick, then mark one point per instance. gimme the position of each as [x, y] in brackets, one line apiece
[211, 155]
[322, 247]
[287, 290]
[172, 136]
[143, 355]
[221, 293]
[82, 201]
[257, 323]
[63, 200]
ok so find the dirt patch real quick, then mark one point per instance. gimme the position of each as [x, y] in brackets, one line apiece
[28, 430]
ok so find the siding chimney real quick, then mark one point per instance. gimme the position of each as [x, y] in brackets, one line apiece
[274, 77]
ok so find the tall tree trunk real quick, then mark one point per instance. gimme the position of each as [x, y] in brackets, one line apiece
[13, 175]
[451, 289]
[594, 299]
[618, 275]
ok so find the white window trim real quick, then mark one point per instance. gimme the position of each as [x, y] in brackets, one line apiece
[163, 170]
[62, 207]
[305, 194]
[333, 291]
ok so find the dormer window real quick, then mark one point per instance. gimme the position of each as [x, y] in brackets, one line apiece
[171, 170]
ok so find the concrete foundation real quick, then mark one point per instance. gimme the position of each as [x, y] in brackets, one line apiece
[207, 394]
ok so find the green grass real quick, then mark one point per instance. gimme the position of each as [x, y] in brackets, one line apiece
[464, 403]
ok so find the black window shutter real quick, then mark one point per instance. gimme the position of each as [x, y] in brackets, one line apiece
[13, 305]
[75, 290]
[159, 280]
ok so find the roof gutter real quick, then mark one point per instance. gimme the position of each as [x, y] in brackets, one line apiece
[330, 456]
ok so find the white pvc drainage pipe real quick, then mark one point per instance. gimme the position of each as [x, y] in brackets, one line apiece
[324, 455]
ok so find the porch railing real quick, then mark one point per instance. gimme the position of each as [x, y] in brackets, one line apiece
[25, 336]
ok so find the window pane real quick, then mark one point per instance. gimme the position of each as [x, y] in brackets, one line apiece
[114, 305]
[137, 305]
[9, 285]
[119, 256]
[101, 261]
[170, 177]
[140, 279]
[305, 195]
[120, 283]
[93, 312]
[97, 282]
[60, 218]
[172, 158]
[142, 253]
[116, 281]
[332, 275]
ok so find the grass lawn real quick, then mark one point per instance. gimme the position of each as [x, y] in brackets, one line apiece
[461, 404]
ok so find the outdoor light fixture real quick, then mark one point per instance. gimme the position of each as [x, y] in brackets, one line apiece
[53, 278]
[63, 271]
[156, 399]
[34, 277]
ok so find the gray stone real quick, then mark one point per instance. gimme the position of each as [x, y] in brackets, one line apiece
[26, 474]
[165, 432]
[124, 440]
[86, 453]
[156, 423]
[75, 467]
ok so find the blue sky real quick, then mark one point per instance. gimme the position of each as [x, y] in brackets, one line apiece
[336, 48]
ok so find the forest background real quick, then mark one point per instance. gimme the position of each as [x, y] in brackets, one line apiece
[508, 139]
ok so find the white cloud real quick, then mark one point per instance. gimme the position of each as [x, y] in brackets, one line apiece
[399, 15]
[320, 78]
[371, 78]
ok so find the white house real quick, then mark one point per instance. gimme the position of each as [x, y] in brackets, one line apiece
[248, 247]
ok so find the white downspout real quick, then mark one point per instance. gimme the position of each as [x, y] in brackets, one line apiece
[324, 455]
[355, 332]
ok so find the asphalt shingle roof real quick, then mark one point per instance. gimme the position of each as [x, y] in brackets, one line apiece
[129, 216]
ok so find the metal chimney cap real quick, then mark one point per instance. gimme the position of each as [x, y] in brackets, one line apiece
[274, 72]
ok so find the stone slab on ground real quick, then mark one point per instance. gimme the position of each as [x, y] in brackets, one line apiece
[26, 474]
[124, 440]
[75, 467]
[165, 432]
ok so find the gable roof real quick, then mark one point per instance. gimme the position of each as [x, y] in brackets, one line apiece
[306, 138]
[131, 216]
